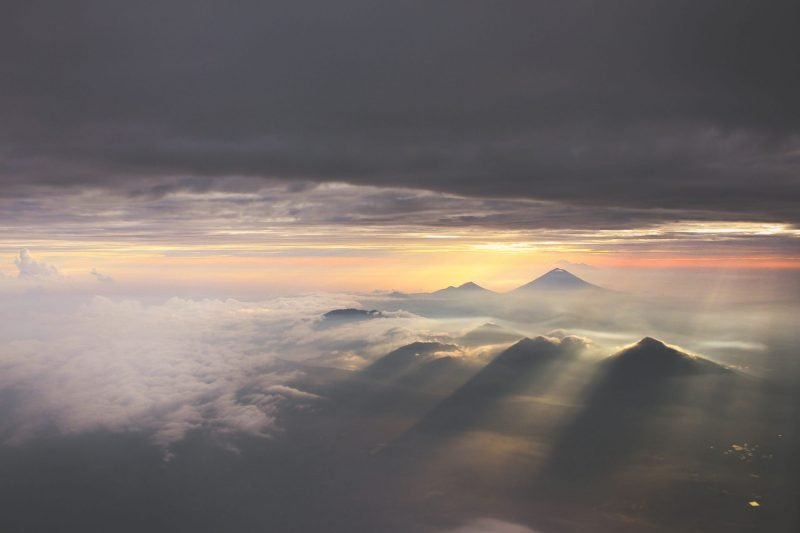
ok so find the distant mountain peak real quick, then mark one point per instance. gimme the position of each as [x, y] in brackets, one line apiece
[401, 359]
[559, 279]
[649, 347]
[468, 287]
[559, 273]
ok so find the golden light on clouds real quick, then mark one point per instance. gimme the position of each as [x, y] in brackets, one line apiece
[288, 253]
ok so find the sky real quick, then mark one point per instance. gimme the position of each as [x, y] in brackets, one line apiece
[293, 146]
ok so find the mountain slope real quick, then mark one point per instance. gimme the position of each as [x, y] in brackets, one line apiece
[392, 393]
[639, 396]
[406, 358]
[351, 314]
[650, 359]
[557, 279]
[523, 368]
[469, 288]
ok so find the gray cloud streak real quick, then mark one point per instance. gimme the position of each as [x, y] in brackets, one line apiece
[278, 219]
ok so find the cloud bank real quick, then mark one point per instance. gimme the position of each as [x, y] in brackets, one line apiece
[168, 369]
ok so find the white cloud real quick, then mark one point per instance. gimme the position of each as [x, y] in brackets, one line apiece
[167, 369]
[30, 268]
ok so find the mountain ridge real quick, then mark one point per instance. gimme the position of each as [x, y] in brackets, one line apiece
[469, 287]
[651, 358]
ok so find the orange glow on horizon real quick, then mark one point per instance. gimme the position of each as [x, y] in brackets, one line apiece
[344, 269]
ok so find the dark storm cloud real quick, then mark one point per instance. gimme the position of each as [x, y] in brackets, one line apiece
[673, 104]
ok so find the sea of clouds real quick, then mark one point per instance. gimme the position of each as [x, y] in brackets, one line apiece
[92, 362]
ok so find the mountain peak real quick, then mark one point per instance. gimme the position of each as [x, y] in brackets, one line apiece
[558, 278]
[559, 272]
[651, 343]
[468, 287]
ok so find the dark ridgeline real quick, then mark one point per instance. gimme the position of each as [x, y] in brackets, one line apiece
[633, 388]
[520, 369]
[467, 289]
[673, 438]
[398, 388]
[406, 359]
[351, 314]
[339, 317]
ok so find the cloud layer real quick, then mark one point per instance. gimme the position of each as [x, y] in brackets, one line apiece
[685, 105]
[170, 368]
[337, 218]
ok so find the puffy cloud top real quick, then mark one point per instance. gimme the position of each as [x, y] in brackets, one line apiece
[30, 268]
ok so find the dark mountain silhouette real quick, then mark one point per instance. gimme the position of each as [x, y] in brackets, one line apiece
[636, 390]
[387, 397]
[406, 358]
[468, 288]
[489, 333]
[414, 391]
[521, 369]
[351, 314]
[557, 279]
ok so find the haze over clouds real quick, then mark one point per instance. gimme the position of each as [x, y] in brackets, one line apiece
[173, 367]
